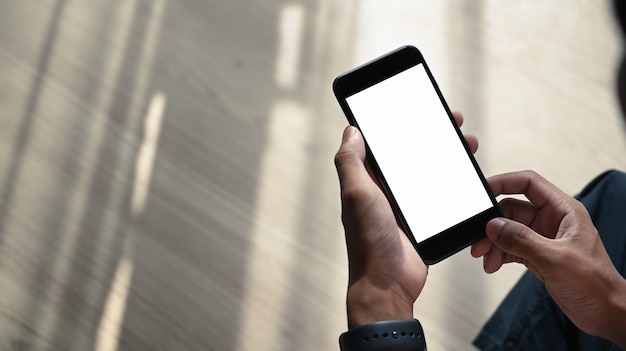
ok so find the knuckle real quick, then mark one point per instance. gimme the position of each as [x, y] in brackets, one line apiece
[340, 157]
[532, 175]
[527, 173]
[579, 210]
[345, 158]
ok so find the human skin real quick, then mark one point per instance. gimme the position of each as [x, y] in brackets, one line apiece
[376, 245]
[551, 234]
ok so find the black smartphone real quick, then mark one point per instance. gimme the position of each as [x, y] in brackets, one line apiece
[426, 169]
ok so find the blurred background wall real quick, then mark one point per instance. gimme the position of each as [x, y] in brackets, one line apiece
[166, 166]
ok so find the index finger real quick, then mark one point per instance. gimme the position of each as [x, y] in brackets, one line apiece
[471, 140]
[535, 187]
[458, 117]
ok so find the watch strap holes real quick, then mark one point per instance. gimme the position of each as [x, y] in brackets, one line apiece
[394, 334]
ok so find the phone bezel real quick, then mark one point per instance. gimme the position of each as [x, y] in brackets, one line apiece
[457, 237]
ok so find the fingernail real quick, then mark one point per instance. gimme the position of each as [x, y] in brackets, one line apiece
[349, 133]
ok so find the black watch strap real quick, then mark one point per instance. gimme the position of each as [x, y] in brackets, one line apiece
[399, 335]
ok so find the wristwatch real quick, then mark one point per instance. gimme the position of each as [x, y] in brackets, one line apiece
[397, 335]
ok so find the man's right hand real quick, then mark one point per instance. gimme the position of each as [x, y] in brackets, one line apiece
[554, 237]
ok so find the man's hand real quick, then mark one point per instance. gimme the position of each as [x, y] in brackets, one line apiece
[386, 273]
[554, 237]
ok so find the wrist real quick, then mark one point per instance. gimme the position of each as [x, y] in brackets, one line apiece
[367, 303]
[396, 335]
[615, 327]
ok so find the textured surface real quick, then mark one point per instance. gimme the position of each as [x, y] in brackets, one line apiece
[166, 174]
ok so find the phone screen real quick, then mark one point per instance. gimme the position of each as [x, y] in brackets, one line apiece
[423, 160]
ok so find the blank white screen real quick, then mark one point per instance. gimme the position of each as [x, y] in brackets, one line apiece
[419, 153]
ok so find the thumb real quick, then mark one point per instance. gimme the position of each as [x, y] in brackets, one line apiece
[348, 134]
[350, 158]
[517, 239]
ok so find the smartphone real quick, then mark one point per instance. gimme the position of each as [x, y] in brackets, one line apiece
[438, 193]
